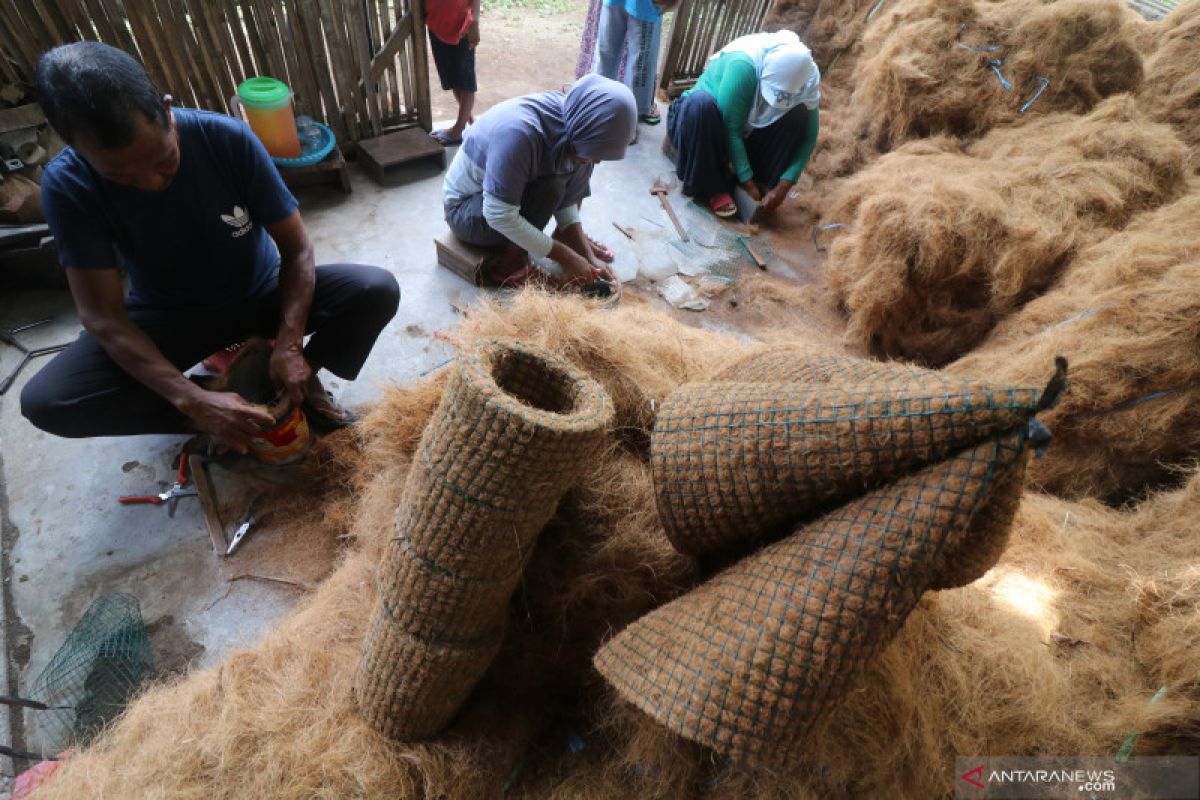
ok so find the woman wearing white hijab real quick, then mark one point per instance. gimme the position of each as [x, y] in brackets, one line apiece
[755, 108]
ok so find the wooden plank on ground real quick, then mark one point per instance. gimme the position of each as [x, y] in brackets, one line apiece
[208, 504]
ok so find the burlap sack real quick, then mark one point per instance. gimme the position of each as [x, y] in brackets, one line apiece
[751, 660]
[732, 462]
[514, 430]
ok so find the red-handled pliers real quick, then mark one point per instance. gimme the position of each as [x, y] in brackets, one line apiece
[170, 496]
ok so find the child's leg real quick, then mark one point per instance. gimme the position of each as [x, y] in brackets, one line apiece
[465, 86]
[466, 103]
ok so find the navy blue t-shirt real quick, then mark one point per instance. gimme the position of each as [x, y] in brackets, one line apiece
[198, 243]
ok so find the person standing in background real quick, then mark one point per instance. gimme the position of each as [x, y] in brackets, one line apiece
[628, 35]
[453, 35]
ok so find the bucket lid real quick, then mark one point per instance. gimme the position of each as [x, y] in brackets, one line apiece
[263, 92]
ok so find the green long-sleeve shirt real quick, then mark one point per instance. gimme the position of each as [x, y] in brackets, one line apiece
[733, 81]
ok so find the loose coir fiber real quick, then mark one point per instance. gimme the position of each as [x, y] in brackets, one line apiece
[926, 65]
[516, 427]
[941, 243]
[751, 661]
[973, 670]
[1126, 314]
[735, 461]
[1172, 90]
[826, 27]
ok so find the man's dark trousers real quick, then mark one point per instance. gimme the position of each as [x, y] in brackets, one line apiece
[83, 392]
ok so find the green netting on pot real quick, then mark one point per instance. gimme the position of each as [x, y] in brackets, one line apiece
[516, 427]
[94, 674]
[751, 660]
[734, 461]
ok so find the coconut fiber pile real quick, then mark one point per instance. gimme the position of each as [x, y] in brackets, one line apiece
[1126, 314]
[1059, 648]
[1171, 92]
[828, 28]
[930, 67]
[943, 240]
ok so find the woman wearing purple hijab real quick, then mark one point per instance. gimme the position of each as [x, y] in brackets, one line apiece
[529, 159]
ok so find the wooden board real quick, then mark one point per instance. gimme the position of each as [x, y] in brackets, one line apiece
[208, 503]
[21, 117]
[380, 156]
[464, 260]
[332, 170]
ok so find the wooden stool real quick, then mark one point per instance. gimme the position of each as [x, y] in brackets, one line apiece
[333, 169]
[386, 157]
[464, 260]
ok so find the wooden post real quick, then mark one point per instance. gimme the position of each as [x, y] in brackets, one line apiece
[421, 68]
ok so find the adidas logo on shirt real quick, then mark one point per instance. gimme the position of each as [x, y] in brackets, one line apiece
[239, 220]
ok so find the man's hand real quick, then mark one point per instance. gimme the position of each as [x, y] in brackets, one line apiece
[227, 416]
[473, 34]
[290, 370]
[776, 196]
[752, 189]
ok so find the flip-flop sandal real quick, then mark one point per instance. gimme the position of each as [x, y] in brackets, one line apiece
[521, 278]
[722, 205]
[602, 251]
[517, 279]
[445, 141]
[653, 118]
[326, 415]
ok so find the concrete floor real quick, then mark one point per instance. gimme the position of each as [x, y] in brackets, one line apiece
[67, 540]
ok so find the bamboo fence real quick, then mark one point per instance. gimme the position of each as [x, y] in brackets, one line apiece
[358, 65]
[701, 28]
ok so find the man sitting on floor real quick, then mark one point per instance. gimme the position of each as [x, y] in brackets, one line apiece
[189, 204]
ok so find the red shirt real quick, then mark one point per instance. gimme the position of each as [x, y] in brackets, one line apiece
[448, 20]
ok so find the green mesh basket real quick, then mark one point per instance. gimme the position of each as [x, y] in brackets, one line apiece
[93, 675]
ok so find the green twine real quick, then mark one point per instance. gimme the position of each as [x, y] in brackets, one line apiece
[1131, 740]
